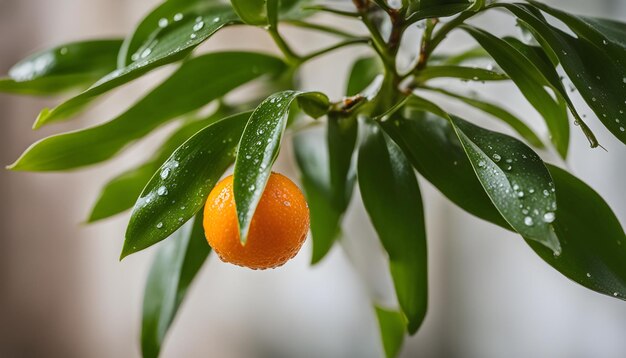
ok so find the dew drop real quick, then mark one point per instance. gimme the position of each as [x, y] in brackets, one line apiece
[178, 17]
[615, 294]
[496, 157]
[481, 163]
[286, 203]
[63, 51]
[252, 187]
[145, 53]
[528, 221]
[165, 173]
[198, 25]
[588, 275]
[546, 193]
[520, 194]
[162, 190]
[159, 225]
[548, 217]
[163, 22]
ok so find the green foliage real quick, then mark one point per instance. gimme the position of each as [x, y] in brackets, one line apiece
[493, 176]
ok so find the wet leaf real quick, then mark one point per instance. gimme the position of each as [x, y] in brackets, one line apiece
[66, 67]
[157, 22]
[516, 180]
[169, 46]
[121, 192]
[178, 190]
[591, 237]
[196, 83]
[463, 73]
[175, 266]
[520, 127]
[531, 83]
[392, 199]
[260, 145]
[596, 67]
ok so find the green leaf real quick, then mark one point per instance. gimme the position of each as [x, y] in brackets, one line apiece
[364, 71]
[312, 160]
[531, 82]
[515, 178]
[70, 66]
[391, 325]
[425, 9]
[175, 266]
[463, 73]
[157, 22]
[178, 190]
[393, 201]
[469, 55]
[253, 12]
[196, 83]
[520, 127]
[446, 166]
[341, 137]
[592, 238]
[259, 147]
[120, 193]
[596, 67]
[171, 45]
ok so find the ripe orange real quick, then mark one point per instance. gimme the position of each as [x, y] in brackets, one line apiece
[278, 229]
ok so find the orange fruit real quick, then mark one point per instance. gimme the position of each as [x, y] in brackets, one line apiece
[278, 229]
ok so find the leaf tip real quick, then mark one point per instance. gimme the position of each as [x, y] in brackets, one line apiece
[41, 118]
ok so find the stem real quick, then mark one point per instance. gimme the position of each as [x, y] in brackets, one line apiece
[290, 56]
[334, 47]
[318, 27]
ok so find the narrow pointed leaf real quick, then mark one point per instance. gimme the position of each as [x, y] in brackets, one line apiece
[312, 160]
[391, 324]
[173, 269]
[259, 147]
[520, 127]
[515, 178]
[591, 237]
[419, 10]
[363, 72]
[66, 67]
[157, 22]
[170, 46]
[446, 166]
[121, 192]
[341, 137]
[531, 83]
[178, 190]
[460, 72]
[196, 83]
[393, 201]
[596, 67]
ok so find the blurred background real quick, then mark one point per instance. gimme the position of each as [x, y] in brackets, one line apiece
[63, 292]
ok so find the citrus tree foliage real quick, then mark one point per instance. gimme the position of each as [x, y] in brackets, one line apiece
[384, 135]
